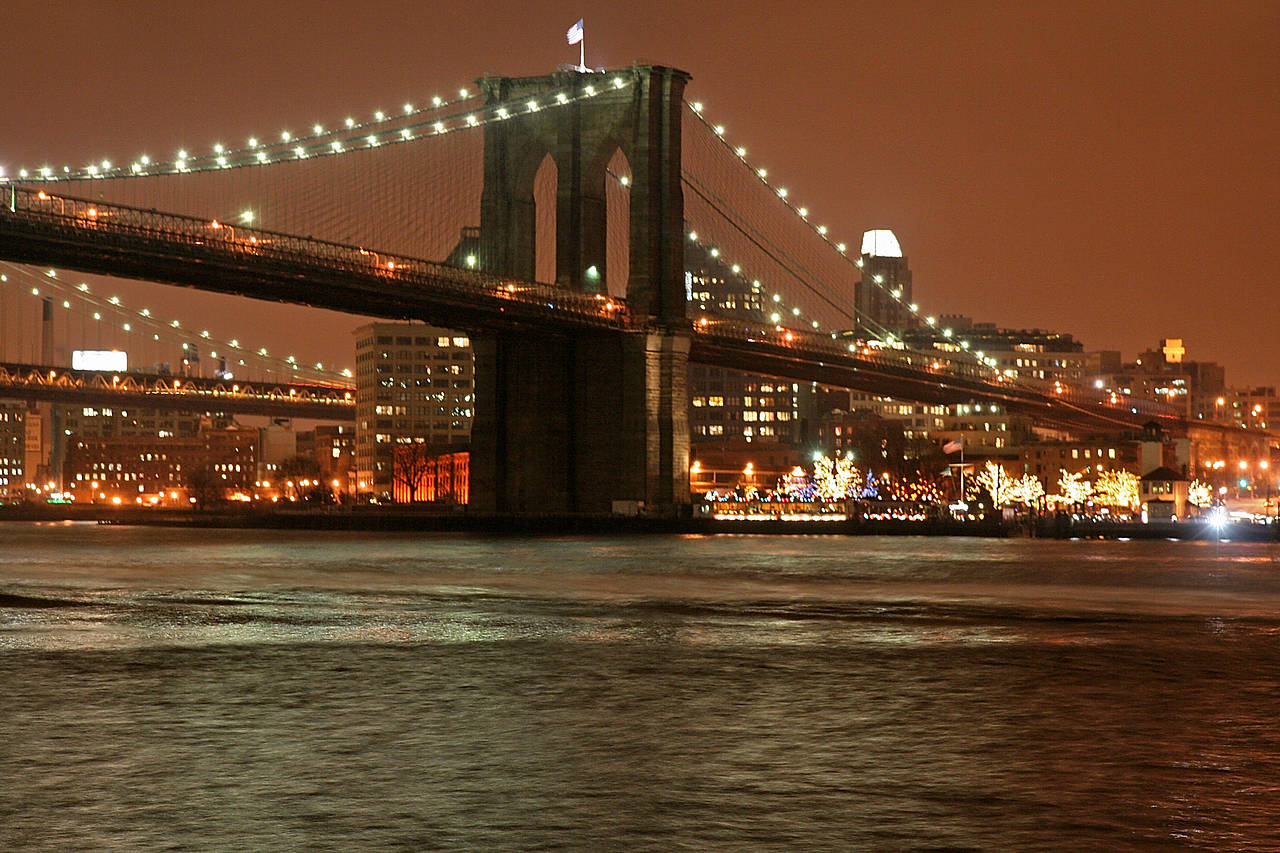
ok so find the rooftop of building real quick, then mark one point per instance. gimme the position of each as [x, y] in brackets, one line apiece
[881, 243]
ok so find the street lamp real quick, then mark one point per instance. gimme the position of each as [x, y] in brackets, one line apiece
[1263, 466]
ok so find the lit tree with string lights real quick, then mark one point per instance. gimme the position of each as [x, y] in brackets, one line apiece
[837, 479]
[797, 486]
[1026, 490]
[1073, 488]
[1200, 494]
[1117, 488]
[995, 481]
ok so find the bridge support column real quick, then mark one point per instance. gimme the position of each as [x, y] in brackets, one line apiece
[572, 425]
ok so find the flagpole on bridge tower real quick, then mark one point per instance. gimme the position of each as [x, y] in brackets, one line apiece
[577, 35]
[951, 447]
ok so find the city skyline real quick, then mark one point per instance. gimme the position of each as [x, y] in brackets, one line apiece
[1078, 170]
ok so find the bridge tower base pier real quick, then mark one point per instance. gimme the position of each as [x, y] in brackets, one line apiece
[573, 425]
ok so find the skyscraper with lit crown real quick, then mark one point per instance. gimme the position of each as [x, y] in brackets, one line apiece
[884, 291]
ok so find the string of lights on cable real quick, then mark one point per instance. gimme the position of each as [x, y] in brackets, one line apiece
[80, 298]
[822, 232]
[782, 311]
[736, 269]
[385, 128]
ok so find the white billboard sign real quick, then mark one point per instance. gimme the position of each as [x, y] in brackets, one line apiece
[114, 361]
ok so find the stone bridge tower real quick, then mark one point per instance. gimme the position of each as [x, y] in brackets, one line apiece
[572, 424]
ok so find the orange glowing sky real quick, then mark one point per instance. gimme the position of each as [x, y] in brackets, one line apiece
[1107, 169]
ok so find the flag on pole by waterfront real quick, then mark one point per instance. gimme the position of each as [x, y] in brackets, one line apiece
[575, 32]
[953, 445]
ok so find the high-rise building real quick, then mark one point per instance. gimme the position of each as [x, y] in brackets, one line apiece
[13, 440]
[1024, 354]
[884, 291]
[711, 286]
[109, 421]
[730, 406]
[414, 385]
[1197, 388]
[918, 421]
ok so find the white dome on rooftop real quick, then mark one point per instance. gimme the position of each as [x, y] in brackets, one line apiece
[881, 243]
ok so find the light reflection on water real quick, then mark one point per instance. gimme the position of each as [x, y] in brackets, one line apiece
[174, 689]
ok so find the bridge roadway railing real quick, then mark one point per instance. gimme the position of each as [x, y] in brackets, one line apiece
[186, 393]
[83, 221]
[953, 377]
[87, 221]
[837, 348]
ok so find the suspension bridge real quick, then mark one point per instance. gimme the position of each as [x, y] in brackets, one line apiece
[552, 219]
[175, 393]
[38, 322]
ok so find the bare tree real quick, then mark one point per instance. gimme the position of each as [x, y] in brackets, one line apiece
[206, 487]
[410, 466]
[304, 473]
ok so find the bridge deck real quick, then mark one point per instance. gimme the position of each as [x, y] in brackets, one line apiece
[37, 227]
[175, 393]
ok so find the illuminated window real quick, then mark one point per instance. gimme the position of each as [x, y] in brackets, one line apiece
[715, 401]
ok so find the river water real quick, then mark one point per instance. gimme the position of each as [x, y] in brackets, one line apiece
[170, 689]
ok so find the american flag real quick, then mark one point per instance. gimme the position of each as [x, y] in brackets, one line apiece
[953, 445]
[575, 33]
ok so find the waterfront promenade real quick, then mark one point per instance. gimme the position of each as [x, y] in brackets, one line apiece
[414, 518]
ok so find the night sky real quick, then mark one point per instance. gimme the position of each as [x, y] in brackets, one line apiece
[1104, 169]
